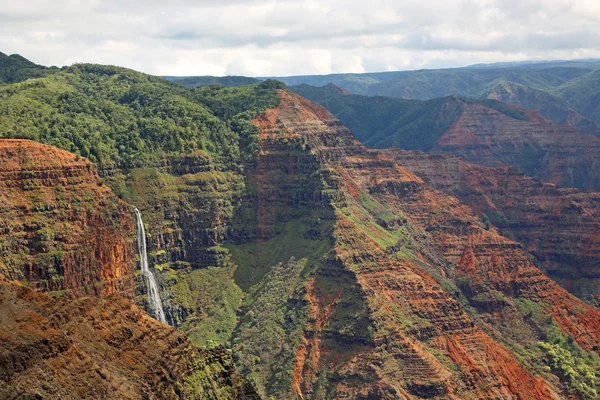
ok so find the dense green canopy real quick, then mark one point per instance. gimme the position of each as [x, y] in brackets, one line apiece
[118, 116]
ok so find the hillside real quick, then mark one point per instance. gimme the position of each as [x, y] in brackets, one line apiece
[382, 122]
[558, 226]
[583, 94]
[120, 117]
[486, 132]
[15, 68]
[407, 288]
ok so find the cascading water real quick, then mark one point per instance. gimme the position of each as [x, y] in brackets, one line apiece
[153, 292]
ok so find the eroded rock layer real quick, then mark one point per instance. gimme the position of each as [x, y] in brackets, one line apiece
[75, 348]
[533, 144]
[559, 226]
[61, 229]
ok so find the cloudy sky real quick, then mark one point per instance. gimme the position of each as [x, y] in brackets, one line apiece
[289, 37]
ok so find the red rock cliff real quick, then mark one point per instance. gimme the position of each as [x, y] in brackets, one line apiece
[75, 348]
[559, 226]
[60, 227]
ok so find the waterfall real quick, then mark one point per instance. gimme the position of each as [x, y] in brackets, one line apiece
[153, 293]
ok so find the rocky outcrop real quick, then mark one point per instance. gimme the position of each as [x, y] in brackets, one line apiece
[558, 226]
[74, 348]
[61, 228]
[416, 298]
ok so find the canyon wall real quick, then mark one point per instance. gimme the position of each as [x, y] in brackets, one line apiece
[334, 271]
[559, 226]
[533, 144]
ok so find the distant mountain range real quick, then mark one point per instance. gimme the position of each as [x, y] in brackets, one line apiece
[563, 91]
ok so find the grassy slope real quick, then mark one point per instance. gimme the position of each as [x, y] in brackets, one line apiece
[583, 94]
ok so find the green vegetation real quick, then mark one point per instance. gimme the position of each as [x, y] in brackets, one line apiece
[254, 260]
[266, 339]
[15, 68]
[229, 102]
[210, 377]
[227, 81]
[583, 94]
[113, 115]
[213, 300]
[578, 370]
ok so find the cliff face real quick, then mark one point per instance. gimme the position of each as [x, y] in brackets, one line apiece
[558, 226]
[533, 144]
[61, 229]
[66, 348]
[412, 298]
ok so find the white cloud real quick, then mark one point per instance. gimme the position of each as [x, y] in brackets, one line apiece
[289, 37]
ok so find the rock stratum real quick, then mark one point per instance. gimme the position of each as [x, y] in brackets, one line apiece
[61, 229]
[559, 226]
